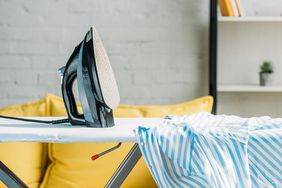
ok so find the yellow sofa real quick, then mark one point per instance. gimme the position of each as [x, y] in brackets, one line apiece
[69, 165]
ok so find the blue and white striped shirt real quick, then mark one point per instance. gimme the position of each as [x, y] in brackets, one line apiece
[203, 150]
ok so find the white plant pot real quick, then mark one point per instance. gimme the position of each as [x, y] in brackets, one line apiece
[265, 79]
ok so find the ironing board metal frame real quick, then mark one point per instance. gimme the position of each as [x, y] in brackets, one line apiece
[125, 167]
[9, 178]
[17, 131]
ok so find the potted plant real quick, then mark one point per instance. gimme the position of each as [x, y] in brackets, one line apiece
[265, 75]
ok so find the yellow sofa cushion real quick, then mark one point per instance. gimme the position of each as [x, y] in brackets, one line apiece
[196, 105]
[71, 166]
[27, 160]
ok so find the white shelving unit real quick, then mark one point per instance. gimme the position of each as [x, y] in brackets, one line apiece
[248, 88]
[243, 44]
[250, 19]
[259, 21]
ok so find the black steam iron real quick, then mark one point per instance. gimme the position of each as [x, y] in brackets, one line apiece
[97, 88]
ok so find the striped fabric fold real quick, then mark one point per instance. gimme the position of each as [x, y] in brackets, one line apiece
[203, 150]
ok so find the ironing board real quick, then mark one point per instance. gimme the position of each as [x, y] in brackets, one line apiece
[123, 131]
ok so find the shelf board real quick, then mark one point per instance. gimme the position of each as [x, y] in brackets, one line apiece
[250, 19]
[248, 88]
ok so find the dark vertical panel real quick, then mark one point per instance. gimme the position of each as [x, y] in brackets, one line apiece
[213, 53]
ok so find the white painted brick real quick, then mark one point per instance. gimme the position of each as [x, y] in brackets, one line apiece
[121, 62]
[158, 49]
[176, 76]
[15, 101]
[74, 7]
[4, 48]
[17, 77]
[48, 62]
[14, 62]
[29, 48]
[11, 91]
[173, 90]
[150, 61]
[136, 91]
[142, 37]
[123, 77]
[48, 78]
[32, 35]
[144, 77]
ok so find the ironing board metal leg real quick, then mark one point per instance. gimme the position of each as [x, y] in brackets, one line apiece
[125, 167]
[9, 178]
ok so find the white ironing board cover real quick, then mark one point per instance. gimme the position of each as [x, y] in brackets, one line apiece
[123, 131]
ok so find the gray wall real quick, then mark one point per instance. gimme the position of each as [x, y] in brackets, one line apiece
[158, 49]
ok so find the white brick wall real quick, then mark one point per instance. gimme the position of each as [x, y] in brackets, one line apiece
[158, 49]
